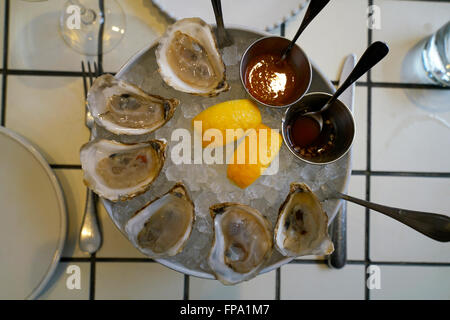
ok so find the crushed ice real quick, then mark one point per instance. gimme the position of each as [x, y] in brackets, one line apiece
[208, 184]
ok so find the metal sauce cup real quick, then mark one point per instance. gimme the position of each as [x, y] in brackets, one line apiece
[296, 57]
[339, 115]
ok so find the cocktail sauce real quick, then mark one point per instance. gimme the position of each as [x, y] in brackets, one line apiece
[271, 80]
[306, 138]
[304, 131]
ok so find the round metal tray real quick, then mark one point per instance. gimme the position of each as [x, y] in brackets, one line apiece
[142, 70]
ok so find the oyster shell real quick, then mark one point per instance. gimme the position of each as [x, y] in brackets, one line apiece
[242, 242]
[123, 108]
[189, 60]
[118, 171]
[162, 227]
[302, 226]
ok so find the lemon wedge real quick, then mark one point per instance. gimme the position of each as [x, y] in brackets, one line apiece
[238, 115]
[254, 155]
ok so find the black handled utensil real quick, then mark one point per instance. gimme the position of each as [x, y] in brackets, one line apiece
[338, 228]
[373, 54]
[433, 225]
[315, 6]
[223, 38]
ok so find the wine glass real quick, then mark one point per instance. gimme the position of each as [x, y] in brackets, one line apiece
[92, 27]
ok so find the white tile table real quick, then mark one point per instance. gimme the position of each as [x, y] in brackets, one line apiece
[401, 154]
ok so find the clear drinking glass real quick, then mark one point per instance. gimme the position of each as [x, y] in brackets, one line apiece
[82, 20]
[436, 56]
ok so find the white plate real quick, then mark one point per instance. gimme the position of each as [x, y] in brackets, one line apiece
[260, 14]
[34, 219]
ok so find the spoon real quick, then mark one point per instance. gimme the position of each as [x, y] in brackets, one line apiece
[433, 225]
[223, 38]
[315, 6]
[373, 54]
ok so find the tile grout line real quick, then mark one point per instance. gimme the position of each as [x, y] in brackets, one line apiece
[62, 73]
[74, 259]
[295, 261]
[381, 263]
[100, 71]
[397, 85]
[324, 261]
[92, 277]
[402, 174]
[46, 73]
[418, 174]
[278, 271]
[368, 167]
[441, 1]
[411, 263]
[5, 65]
[65, 166]
[124, 260]
[403, 85]
[278, 284]
[100, 36]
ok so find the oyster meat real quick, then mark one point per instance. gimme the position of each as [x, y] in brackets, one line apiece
[118, 171]
[242, 242]
[123, 108]
[162, 227]
[302, 226]
[189, 60]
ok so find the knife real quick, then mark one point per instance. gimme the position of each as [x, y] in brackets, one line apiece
[338, 258]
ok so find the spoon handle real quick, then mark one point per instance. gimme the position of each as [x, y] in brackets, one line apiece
[373, 54]
[223, 38]
[315, 6]
[90, 236]
[435, 226]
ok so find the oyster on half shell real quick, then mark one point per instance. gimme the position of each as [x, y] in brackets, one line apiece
[189, 60]
[302, 226]
[242, 242]
[118, 171]
[162, 227]
[123, 108]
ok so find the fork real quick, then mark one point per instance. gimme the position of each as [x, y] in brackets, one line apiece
[90, 238]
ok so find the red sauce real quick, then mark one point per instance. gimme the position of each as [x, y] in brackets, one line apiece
[271, 80]
[307, 140]
[304, 131]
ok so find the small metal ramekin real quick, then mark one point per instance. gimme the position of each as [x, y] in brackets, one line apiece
[340, 116]
[296, 57]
